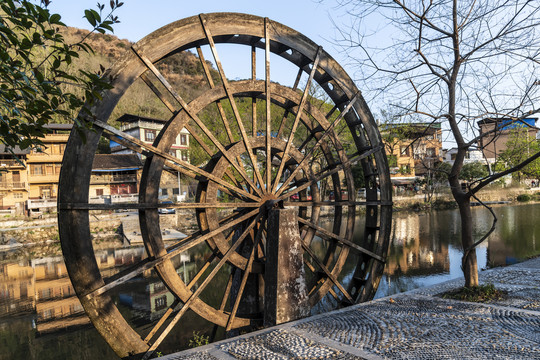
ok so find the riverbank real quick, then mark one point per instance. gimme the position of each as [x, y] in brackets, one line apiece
[418, 324]
[108, 231]
[445, 201]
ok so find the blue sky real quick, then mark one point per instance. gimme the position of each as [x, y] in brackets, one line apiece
[139, 18]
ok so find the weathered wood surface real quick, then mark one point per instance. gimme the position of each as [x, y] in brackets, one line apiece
[272, 150]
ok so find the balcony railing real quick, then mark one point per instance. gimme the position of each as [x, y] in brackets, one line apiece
[10, 163]
[114, 199]
[12, 185]
[41, 203]
[108, 179]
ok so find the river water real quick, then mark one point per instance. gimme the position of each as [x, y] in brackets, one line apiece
[41, 318]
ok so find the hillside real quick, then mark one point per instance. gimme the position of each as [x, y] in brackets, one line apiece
[183, 70]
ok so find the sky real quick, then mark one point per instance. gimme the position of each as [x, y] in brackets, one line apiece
[313, 18]
[139, 18]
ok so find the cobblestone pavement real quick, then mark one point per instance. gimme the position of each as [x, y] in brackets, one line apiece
[413, 325]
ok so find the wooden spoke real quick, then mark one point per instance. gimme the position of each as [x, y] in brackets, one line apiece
[334, 203]
[218, 104]
[148, 206]
[296, 120]
[232, 101]
[148, 263]
[174, 166]
[222, 305]
[195, 118]
[341, 240]
[247, 271]
[173, 159]
[186, 244]
[157, 92]
[310, 137]
[201, 271]
[328, 131]
[286, 113]
[254, 99]
[173, 110]
[161, 321]
[257, 157]
[327, 272]
[199, 290]
[328, 173]
[125, 143]
[192, 132]
[268, 107]
[334, 294]
[332, 111]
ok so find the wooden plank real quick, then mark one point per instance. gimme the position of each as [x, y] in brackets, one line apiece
[296, 120]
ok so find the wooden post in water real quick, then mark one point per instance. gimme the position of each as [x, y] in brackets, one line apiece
[285, 292]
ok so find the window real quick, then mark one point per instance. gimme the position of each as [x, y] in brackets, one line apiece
[158, 287]
[184, 156]
[47, 314]
[44, 294]
[16, 176]
[57, 168]
[161, 302]
[36, 169]
[99, 192]
[404, 150]
[18, 195]
[164, 192]
[149, 135]
[50, 169]
[176, 191]
[183, 139]
[430, 152]
[45, 192]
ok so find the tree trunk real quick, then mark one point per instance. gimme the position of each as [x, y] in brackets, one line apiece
[468, 262]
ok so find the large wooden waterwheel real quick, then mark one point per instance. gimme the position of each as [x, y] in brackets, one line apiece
[303, 159]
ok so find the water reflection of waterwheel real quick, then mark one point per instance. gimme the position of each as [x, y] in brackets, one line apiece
[302, 156]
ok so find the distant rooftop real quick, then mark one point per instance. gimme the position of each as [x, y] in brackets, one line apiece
[58, 126]
[4, 150]
[508, 123]
[413, 128]
[116, 161]
[129, 118]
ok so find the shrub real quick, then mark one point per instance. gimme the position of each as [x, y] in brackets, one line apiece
[482, 293]
[198, 340]
[523, 198]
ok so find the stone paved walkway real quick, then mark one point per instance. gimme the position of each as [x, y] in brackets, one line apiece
[412, 325]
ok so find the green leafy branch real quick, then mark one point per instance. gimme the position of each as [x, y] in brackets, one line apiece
[36, 87]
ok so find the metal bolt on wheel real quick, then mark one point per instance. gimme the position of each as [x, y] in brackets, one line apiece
[301, 159]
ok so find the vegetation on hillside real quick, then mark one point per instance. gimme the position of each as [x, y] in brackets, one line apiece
[42, 77]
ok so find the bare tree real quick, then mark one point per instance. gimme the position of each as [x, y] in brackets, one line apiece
[456, 61]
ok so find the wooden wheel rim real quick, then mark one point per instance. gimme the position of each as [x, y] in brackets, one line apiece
[184, 34]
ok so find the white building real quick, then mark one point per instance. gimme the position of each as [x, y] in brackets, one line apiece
[146, 130]
[472, 156]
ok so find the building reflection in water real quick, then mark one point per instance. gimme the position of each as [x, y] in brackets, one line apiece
[42, 286]
[37, 299]
[414, 252]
